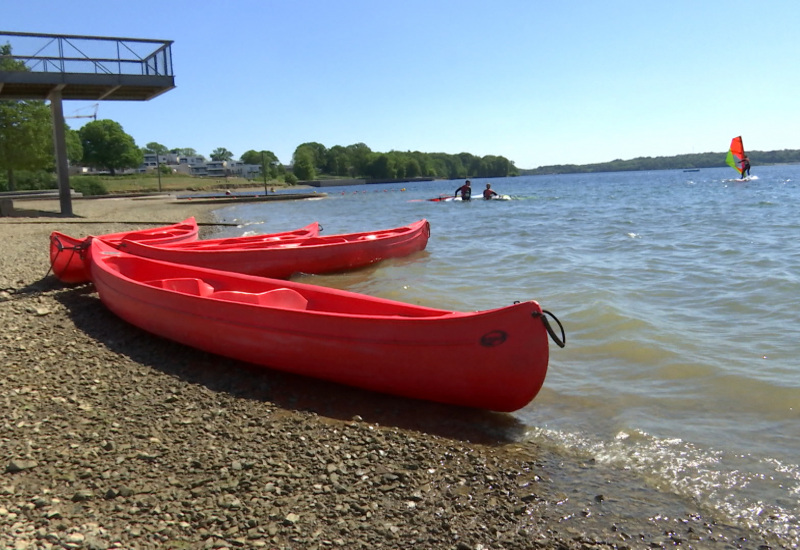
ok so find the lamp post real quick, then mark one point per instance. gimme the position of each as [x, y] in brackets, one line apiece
[158, 171]
[264, 170]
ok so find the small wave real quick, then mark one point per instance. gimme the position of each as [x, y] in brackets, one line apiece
[729, 484]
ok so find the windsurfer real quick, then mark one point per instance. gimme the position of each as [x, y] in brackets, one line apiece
[465, 190]
[488, 193]
[745, 166]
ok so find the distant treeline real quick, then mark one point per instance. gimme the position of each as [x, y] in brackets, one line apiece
[312, 159]
[699, 160]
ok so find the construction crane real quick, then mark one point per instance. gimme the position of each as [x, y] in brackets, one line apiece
[93, 116]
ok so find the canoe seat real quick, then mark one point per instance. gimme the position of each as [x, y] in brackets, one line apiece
[188, 285]
[285, 298]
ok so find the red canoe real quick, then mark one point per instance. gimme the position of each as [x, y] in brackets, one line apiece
[495, 359]
[68, 254]
[280, 259]
[309, 231]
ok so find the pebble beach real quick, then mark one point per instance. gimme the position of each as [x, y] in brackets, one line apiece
[114, 438]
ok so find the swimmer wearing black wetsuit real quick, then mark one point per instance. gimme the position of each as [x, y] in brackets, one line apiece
[465, 190]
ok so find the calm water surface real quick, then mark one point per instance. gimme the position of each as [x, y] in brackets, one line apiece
[678, 291]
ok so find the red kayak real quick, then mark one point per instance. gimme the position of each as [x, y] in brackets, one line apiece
[495, 359]
[68, 254]
[280, 259]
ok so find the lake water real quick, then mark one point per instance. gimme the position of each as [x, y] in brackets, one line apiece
[679, 295]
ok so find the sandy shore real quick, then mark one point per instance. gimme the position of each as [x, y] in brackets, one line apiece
[114, 438]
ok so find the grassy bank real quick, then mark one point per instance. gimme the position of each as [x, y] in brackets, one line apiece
[149, 183]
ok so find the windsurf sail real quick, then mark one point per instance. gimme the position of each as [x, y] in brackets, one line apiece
[736, 155]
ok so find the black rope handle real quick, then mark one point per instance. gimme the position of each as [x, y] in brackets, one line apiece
[560, 342]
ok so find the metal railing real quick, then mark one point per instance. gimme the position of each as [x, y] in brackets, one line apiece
[61, 53]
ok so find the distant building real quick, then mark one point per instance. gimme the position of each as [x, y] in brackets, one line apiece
[177, 162]
[194, 165]
[242, 170]
[223, 169]
[217, 168]
[194, 160]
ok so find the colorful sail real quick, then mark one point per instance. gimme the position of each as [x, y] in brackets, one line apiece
[736, 154]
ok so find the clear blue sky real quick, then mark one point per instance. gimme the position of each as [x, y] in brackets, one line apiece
[539, 82]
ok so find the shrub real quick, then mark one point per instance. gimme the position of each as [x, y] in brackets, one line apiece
[88, 185]
[27, 180]
[290, 178]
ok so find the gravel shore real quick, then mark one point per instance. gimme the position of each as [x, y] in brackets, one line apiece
[114, 438]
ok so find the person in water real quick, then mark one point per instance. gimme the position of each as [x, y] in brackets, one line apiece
[465, 190]
[488, 193]
[745, 166]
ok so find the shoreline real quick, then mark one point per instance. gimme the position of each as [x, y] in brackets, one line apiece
[115, 438]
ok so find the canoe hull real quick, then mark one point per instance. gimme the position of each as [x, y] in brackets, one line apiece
[69, 258]
[495, 360]
[283, 258]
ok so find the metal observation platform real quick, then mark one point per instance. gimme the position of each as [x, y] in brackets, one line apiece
[56, 67]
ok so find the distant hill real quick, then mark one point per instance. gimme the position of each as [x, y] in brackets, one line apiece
[678, 162]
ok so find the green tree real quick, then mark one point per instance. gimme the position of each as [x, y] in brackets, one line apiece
[337, 161]
[26, 138]
[319, 154]
[74, 146]
[26, 141]
[156, 148]
[266, 159]
[360, 157]
[303, 161]
[251, 157]
[220, 153]
[106, 145]
[413, 169]
[381, 167]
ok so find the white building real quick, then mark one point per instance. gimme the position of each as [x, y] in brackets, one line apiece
[197, 165]
[176, 162]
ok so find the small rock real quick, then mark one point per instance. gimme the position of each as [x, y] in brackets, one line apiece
[40, 502]
[74, 538]
[38, 311]
[18, 465]
[291, 518]
[83, 495]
